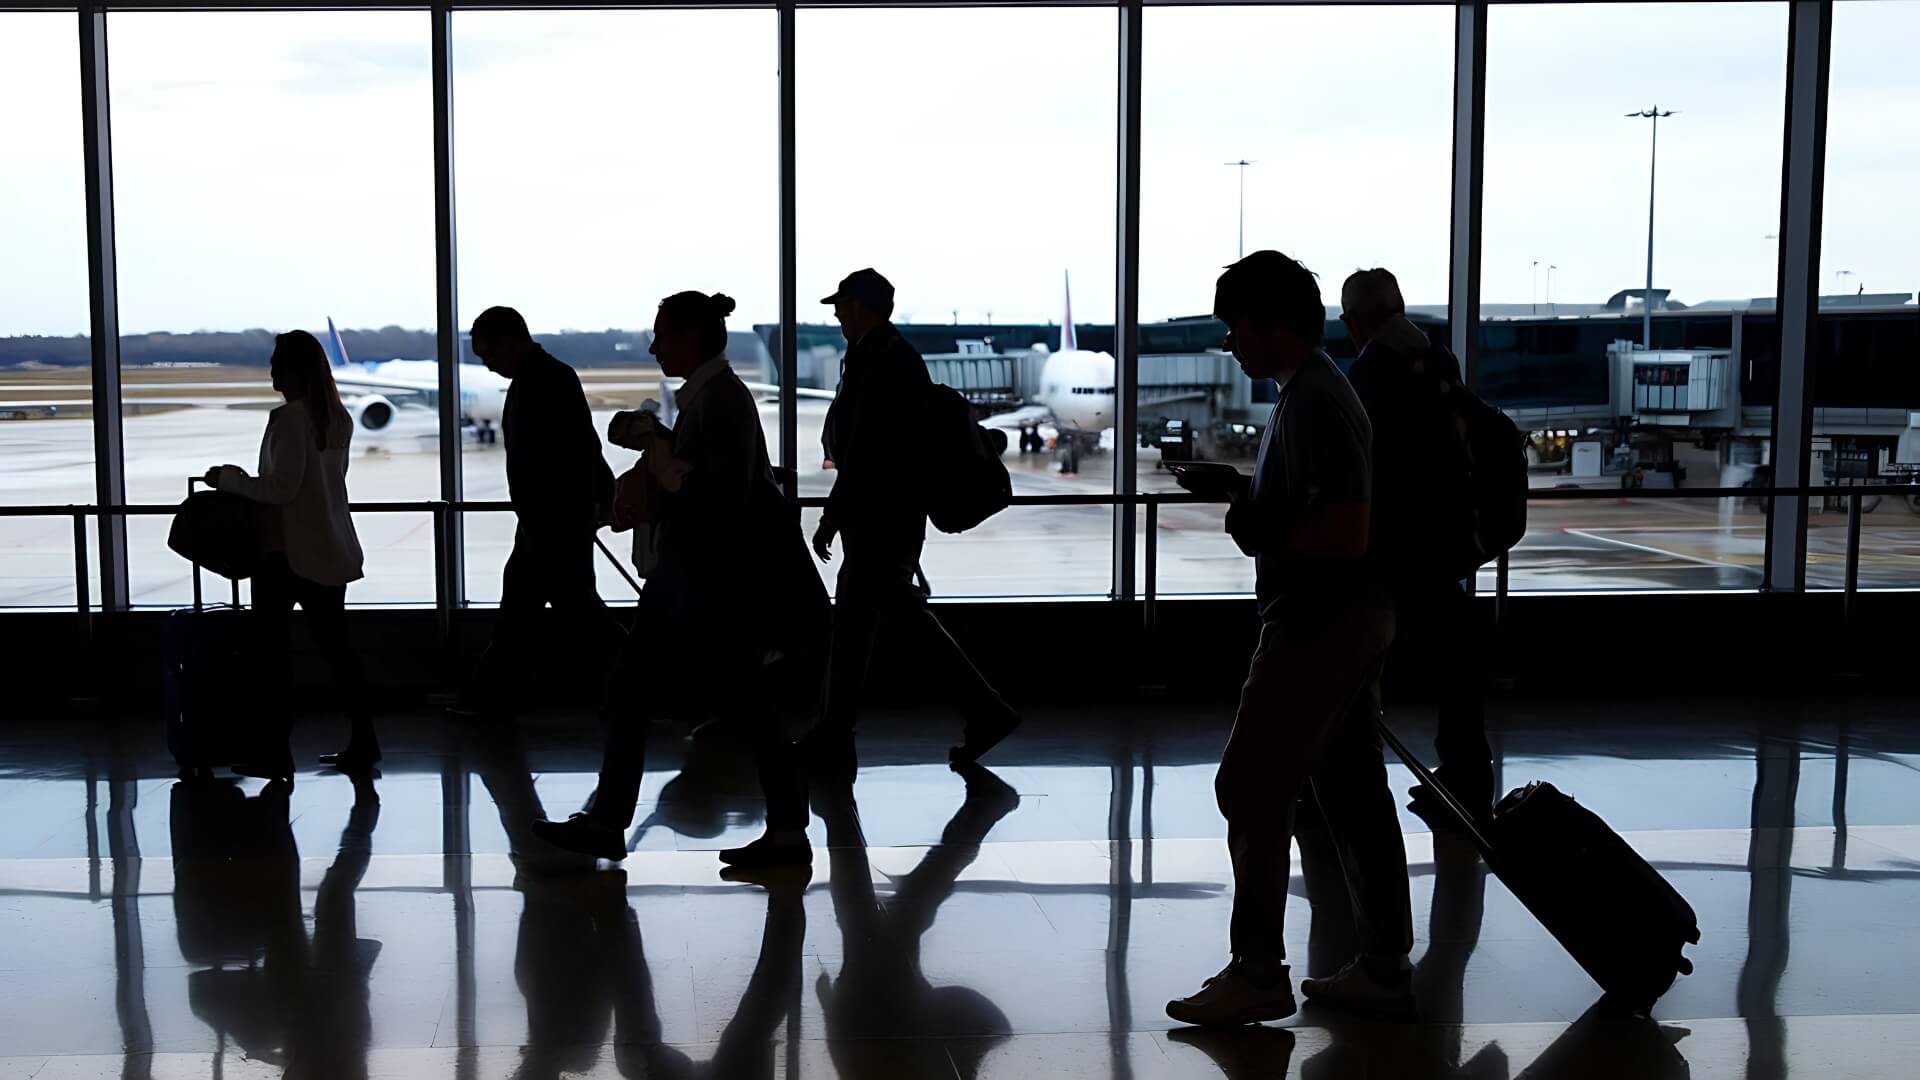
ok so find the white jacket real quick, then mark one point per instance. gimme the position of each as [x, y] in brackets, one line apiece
[306, 489]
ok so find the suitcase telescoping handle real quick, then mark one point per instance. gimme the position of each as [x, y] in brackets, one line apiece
[1439, 791]
[235, 582]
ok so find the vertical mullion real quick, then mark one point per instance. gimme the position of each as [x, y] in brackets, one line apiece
[788, 343]
[109, 444]
[1803, 176]
[1469, 159]
[1126, 299]
[452, 587]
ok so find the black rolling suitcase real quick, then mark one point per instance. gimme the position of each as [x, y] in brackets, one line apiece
[206, 665]
[1614, 913]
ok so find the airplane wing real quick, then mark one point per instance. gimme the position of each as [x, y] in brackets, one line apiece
[367, 383]
[799, 391]
[1024, 416]
[1191, 395]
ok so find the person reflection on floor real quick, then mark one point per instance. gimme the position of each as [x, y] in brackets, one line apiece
[881, 990]
[579, 961]
[274, 994]
[746, 1050]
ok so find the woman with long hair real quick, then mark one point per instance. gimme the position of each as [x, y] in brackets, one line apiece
[312, 551]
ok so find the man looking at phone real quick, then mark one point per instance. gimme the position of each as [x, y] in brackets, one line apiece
[1307, 710]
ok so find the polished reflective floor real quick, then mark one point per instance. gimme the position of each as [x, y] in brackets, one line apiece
[1030, 921]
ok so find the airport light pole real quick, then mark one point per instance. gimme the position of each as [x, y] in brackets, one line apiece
[1533, 296]
[1550, 269]
[1653, 164]
[1242, 166]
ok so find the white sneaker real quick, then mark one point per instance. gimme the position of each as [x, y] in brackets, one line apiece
[1232, 999]
[1355, 989]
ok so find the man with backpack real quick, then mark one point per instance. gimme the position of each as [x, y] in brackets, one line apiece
[1410, 387]
[876, 434]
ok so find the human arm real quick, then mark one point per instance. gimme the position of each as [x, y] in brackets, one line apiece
[284, 454]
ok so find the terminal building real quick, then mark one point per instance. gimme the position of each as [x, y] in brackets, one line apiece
[1109, 754]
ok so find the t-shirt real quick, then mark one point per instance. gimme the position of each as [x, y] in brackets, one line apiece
[1316, 451]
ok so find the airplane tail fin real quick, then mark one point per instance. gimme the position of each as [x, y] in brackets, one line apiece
[336, 349]
[1068, 340]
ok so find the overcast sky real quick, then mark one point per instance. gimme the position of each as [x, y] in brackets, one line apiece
[272, 169]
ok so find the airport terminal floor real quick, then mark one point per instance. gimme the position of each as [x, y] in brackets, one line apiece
[1028, 919]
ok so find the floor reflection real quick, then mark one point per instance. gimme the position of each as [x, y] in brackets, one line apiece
[1031, 929]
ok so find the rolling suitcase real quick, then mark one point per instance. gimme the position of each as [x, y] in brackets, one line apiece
[1615, 914]
[205, 659]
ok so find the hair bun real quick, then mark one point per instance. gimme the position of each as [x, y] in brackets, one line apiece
[722, 304]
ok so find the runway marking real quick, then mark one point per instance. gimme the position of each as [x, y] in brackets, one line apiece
[1592, 534]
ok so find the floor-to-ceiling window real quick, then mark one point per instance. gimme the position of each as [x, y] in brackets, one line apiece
[46, 389]
[969, 156]
[604, 160]
[1575, 94]
[1256, 134]
[1866, 357]
[273, 171]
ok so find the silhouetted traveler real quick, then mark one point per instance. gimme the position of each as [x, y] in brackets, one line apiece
[312, 550]
[873, 436]
[714, 607]
[560, 487]
[1307, 711]
[1398, 376]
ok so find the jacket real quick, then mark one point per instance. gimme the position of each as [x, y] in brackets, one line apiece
[556, 472]
[872, 433]
[1397, 376]
[304, 489]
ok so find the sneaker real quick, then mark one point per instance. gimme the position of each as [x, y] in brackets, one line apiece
[983, 733]
[1361, 987]
[583, 834]
[769, 852]
[1233, 998]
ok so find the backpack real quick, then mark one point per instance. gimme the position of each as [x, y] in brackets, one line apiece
[1479, 482]
[967, 481]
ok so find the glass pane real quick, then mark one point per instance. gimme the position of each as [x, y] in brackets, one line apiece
[1564, 346]
[1589, 544]
[46, 387]
[989, 196]
[1866, 390]
[604, 161]
[274, 172]
[1239, 153]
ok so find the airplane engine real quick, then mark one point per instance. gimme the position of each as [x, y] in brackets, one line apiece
[371, 413]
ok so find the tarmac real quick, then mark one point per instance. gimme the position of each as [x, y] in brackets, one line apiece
[1625, 544]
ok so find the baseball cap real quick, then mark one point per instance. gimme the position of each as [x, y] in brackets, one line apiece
[865, 287]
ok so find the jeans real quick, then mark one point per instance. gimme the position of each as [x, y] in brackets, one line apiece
[1307, 720]
[692, 654]
[1435, 621]
[276, 589]
[550, 564]
[876, 589]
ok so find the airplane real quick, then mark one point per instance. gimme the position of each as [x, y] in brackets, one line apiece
[373, 391]
[1078, 396]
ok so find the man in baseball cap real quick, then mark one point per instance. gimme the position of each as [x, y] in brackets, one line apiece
[872, 436]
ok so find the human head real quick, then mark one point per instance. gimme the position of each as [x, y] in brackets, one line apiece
[1368, 299]
[690, 329]
[863, 301]
[302, 375]
[501, 340]
[1271, 305]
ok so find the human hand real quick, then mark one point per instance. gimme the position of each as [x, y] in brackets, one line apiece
[823, 539]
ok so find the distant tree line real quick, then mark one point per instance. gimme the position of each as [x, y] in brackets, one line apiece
[251, 348]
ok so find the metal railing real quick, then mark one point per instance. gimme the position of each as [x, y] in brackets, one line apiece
[443, 512]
